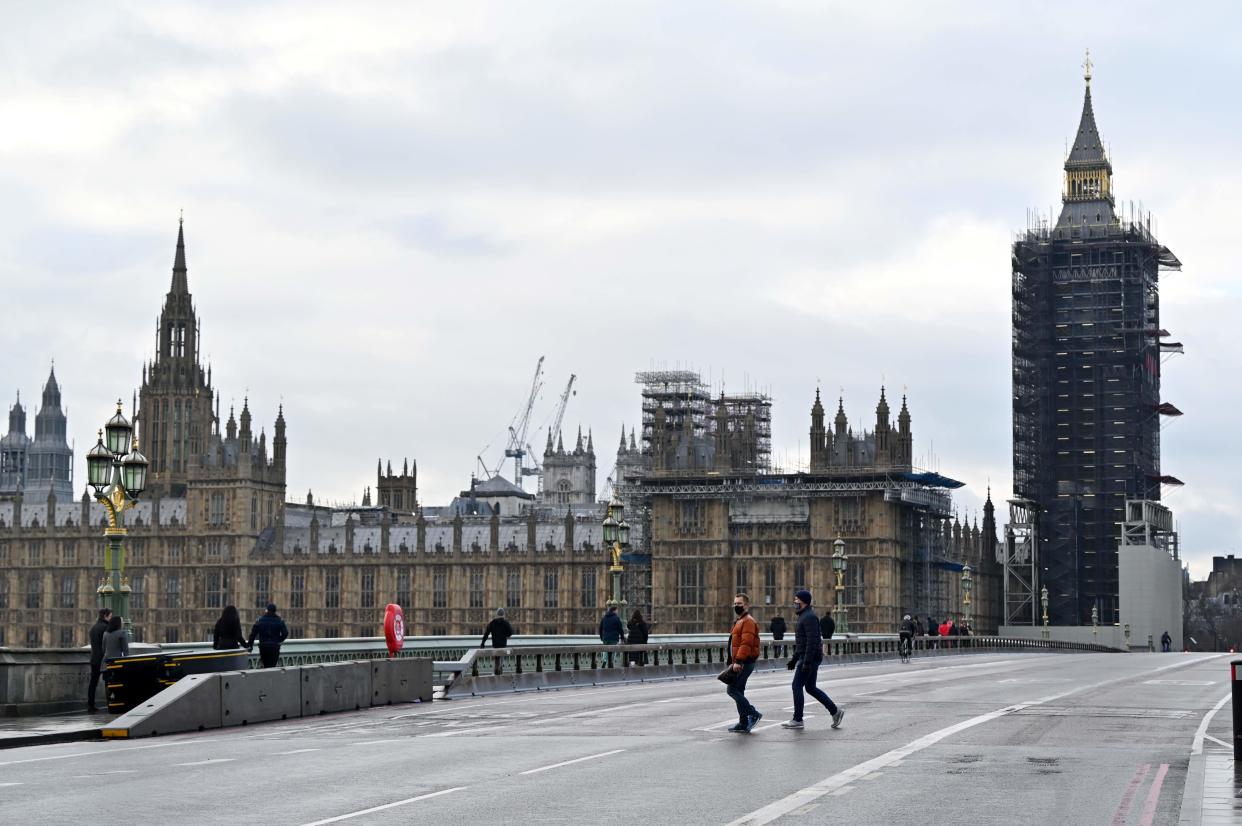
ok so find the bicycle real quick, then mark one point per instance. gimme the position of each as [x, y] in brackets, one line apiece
[905, 647]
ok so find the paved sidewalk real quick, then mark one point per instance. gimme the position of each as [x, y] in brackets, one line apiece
[51, 728]
[1213, 793]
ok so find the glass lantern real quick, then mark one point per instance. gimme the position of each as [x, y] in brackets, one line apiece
[118, 432]
[134, 471]
[99, 465]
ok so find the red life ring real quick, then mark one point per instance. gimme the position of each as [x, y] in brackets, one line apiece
[394, 628]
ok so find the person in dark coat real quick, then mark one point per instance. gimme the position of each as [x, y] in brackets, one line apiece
[827, 626]
[610, 630]
[1166, 642]
[777, 628]
[115, 640]
[269, 631]
[97, 655]
[639, 634]
[498, 629]
[228, 634]
[808, 654]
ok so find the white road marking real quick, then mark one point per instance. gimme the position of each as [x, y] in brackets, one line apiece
[841, 791]
[1217, 741]
[18, 784]
[373, 742]
[209, 760]
[296, 751]
[104, 751]
[1201, 732]
[833, 783]
[1180, 682]
[392, 805]
[571, 762]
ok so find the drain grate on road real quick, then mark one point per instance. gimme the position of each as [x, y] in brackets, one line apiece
[1089, 711]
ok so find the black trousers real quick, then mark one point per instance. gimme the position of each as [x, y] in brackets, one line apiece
[269, 655]
[96, 669]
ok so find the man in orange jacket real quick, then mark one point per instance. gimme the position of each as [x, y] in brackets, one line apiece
[743, 654]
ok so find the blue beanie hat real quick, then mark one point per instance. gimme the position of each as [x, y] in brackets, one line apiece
[803, 595]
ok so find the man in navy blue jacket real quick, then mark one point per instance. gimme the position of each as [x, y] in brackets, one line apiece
[269, 631]
[808, 654]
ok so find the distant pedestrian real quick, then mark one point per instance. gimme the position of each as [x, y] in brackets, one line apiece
[827, 626]
[269, 631]
[96, 637]
[933, 630]
[227, 634]
[743, 654]
[639, 634]
[115, 640]
[498, 629]
[777, 629]
[1166, 642]
[610, 630]
[808, 654]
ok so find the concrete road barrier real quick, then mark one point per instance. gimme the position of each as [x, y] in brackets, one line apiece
[335, 687]
[258, 696]
[190, 704]
[404, 680]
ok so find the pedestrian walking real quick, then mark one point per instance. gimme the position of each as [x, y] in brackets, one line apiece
[808, 654]
[115, 640]
[96, 637]
[743, 654]
[498, 629]
[933, 630]
[639, 634]
[227, 634]
[1166, 642]
[827, 626]
[269, 631]
[777, 629]
[610, 630]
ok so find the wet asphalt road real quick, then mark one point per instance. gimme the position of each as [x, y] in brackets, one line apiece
[980, 739]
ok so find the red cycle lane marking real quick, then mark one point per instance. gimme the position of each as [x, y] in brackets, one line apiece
[1149, 808]
[1123, 808]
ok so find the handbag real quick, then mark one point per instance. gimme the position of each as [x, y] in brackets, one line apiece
[728, 676]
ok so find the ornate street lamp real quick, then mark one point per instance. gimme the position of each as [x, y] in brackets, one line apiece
[839, 563]
[617, 538]
[117, 474]
[1043, 600]
[967, 585]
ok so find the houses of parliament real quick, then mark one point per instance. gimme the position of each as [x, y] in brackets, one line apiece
[216, 526]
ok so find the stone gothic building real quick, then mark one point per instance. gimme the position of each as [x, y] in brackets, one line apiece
[44, 464]
[569, 476]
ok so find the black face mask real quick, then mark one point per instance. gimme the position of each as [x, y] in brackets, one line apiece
[739, 609]
[799, 608]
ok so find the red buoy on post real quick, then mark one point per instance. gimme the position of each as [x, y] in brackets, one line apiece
[394, 628]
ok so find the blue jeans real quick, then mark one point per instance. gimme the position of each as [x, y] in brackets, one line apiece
[804, 679]
[738, 692]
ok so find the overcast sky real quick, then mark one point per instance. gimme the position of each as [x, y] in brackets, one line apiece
[392, 210]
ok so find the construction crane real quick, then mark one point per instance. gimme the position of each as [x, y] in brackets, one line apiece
[518, 449]
[537, 469]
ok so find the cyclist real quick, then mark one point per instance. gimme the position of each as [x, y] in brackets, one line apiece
[906, 636]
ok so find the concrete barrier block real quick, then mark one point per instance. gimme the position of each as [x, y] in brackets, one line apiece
[255, 696]
[190, 704]
[335, 687]
[404, 680]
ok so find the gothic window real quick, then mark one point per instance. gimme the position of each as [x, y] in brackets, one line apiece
[551, 589]
[176, 457]
[563, 491]
[172, 634]
[69, 553]
[68, 591]
[332, 589]
[138, 592]
[403, 588]
[254, 512]
[690, 583]
[513, 589]
[741, 578]
[34, 553]
[368, 589]
[855, 583]
[297, 590]
[215, 547]
[213, 590]
[32, 637]
[477, 592]
[769, 584]
[4, 592]
[691, 517]
[588, 597]
[172, 592]
[262, 589]
[216, 517]
[34, 591]
[439, 587]
[66, 638]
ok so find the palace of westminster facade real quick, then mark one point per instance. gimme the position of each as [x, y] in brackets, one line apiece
[215, 527]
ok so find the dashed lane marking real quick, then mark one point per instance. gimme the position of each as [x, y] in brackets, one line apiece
[295, 751]
[375, 742]
[209, 761]
[105, 751]
[571, 762]
[392, 805]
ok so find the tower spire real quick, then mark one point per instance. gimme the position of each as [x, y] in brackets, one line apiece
[180, 283]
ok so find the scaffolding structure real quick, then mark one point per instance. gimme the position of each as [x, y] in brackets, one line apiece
[684, 428]
[1018, 554]
[1086, 404]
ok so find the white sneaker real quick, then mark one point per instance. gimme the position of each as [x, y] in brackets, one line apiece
[838, 717]
[792, 724]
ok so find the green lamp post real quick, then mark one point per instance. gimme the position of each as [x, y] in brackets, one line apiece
[839, 563]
